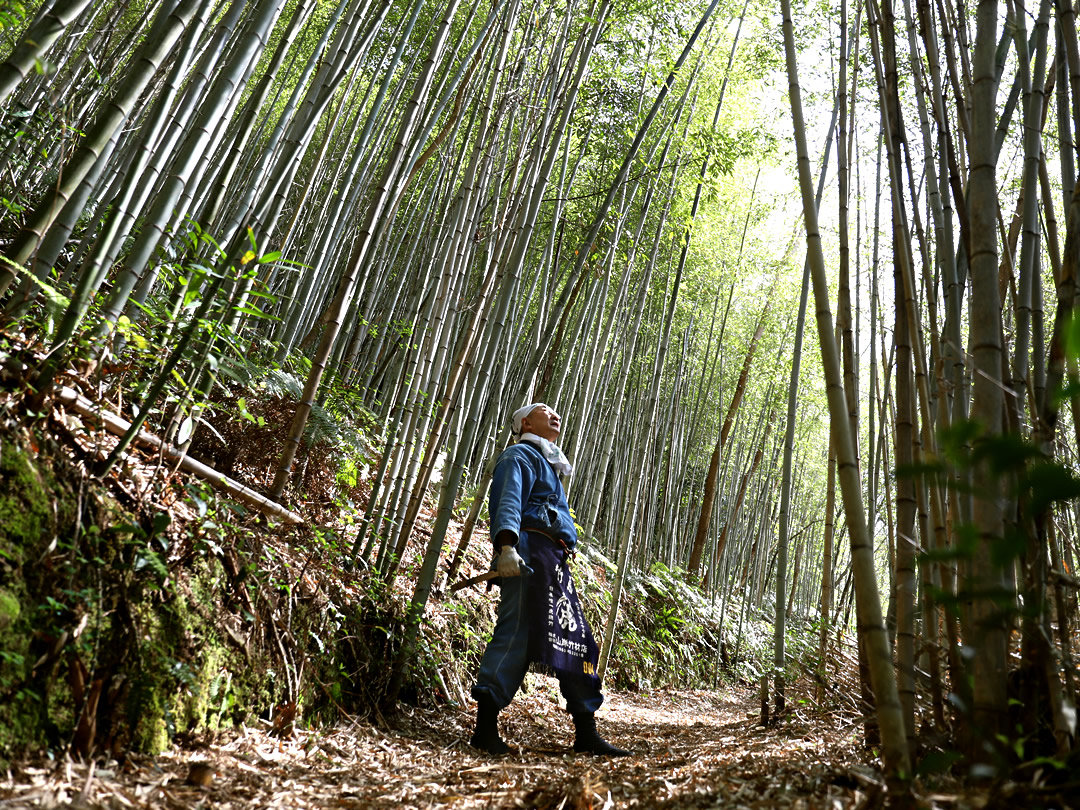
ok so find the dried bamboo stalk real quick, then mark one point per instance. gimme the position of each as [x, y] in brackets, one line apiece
[118, 426]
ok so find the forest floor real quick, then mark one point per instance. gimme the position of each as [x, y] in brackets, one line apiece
[691, 749]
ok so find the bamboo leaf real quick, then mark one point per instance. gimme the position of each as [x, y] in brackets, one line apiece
[49, 291]
[256, 313]
[185, 430]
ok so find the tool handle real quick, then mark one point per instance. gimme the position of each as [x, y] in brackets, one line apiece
[465, 583]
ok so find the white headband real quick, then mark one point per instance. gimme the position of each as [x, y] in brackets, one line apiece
[521, 413]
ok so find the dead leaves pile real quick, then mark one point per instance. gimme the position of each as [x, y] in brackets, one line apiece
[692, 749]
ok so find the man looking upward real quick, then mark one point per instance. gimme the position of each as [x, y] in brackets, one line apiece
[539, 617]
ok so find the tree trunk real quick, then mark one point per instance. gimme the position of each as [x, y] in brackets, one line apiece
[894, 743]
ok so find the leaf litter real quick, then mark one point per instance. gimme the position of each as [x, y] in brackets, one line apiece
[691, 749]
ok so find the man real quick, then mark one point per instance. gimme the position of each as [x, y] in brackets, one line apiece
[539, 617]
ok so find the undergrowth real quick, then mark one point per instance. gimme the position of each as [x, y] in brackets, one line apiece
[145, 606]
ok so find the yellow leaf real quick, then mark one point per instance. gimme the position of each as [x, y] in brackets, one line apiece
[247, 257]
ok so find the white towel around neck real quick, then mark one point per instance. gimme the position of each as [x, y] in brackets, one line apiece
[550, 451]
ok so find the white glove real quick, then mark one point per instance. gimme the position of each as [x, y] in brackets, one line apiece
[509, 562]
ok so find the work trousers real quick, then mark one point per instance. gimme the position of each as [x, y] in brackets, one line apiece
[506, 659]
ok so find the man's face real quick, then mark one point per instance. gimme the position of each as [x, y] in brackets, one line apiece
[542, 421]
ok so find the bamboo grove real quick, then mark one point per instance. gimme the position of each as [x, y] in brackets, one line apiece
[453, 209]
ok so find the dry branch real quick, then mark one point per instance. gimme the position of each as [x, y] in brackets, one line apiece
[118, 426]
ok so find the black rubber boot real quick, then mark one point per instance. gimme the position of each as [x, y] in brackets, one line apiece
[588, 741]
[486, 737]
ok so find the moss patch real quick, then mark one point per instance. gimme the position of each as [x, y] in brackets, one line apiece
[27, 494]
[9, 608]
[32, 505]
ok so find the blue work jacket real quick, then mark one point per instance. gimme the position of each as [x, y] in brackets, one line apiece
[526, 494]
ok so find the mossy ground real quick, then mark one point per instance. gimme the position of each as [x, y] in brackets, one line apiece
[109, 616]
[34, 506]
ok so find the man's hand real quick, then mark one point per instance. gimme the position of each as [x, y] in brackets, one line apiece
[509, 563]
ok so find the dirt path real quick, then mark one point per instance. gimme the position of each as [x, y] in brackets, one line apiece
[692, 749]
